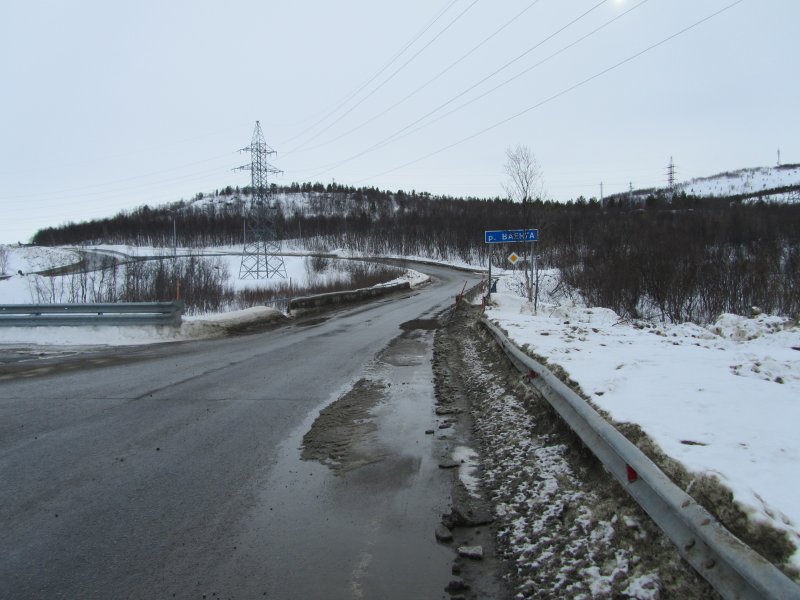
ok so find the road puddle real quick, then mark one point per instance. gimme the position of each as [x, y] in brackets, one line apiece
[356, 495]
[404, 351]
[339, 437]
[423, 324]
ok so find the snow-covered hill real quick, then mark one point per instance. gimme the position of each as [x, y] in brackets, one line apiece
[306, 203]
[772, 184]
[755, 181]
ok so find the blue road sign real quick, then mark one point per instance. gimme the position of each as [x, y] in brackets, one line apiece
[504, 236]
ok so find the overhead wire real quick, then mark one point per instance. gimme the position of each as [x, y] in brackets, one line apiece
[85, 191]
[519, 57]
[463, 57]
[65, 199]
[141, 150]
[406, 131]
[559, 94]
[394, 73]
[61, 193]
[373, 77]
[444, 148]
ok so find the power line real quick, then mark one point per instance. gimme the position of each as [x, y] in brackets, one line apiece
[62, 193]
[467, 90]
[559, 94]
[385, 81]
[373, 77]
[424, 85]
[404, 131]
[141, 150]
[62, 199]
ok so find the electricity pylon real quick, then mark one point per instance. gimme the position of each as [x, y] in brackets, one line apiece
[261, 257]
[671, 178]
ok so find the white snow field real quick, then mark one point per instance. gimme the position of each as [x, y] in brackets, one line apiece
[723, 400]
[24, 289]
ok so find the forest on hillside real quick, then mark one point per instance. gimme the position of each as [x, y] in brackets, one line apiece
[679, 259]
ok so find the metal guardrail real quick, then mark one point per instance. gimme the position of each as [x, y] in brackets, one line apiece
[734, 569]
[118, 313]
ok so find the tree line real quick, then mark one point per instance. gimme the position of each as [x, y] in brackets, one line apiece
[674, 259]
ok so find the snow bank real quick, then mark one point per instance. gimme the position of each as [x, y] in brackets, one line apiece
[17, 289]
[98, 335]
[724, 400]
[191, 328]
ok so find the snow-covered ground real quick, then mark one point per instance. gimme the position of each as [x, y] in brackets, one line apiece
[22, 289]
[724, 400]
[30, 259]
[295, 261]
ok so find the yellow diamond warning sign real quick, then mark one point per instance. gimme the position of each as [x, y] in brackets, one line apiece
[513, 257]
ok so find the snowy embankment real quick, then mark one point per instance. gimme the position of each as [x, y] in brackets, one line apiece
[22, 286]
[723, 400]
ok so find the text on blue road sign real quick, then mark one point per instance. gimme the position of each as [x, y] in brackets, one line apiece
[504, 236]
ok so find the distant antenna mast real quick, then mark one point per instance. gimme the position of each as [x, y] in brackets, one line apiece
[671, 177]
[260, 254]
[779, 157]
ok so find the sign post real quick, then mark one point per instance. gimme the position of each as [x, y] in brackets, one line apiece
[507, 236]
[489, 289]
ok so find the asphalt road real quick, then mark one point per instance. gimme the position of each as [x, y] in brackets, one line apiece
[175, 471]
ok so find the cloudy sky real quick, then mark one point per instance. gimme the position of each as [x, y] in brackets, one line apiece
[110, 105]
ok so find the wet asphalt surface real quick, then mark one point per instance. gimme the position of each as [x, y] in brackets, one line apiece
[175, 470]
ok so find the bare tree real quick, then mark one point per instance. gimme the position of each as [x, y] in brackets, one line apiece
[525, 182]
[524, 174]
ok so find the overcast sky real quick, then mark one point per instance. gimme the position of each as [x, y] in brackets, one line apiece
[107, 106]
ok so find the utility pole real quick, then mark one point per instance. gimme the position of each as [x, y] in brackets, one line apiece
[779, 157]
[261, 257]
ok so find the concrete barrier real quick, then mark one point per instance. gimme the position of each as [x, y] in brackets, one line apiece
[308, 304]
